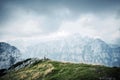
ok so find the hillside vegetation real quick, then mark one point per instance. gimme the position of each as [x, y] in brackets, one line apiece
[53, 70]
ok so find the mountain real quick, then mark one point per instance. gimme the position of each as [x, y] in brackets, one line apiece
[73, 48]
[9, 55]
[46, 69]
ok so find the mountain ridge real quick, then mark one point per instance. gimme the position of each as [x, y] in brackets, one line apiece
[73, 48]
[46, 69]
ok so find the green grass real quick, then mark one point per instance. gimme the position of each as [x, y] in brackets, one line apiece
[53, 70]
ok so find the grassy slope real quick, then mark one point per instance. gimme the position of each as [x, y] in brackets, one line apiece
[53, 70]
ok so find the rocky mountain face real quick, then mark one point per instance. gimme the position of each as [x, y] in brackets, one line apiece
[76, 49]
[9, 55]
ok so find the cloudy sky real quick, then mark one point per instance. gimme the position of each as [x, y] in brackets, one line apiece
[35, 18]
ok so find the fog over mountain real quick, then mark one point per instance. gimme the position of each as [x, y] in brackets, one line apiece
[85, 31]
[72, 48]
[21, 19]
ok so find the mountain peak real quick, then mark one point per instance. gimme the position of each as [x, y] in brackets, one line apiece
[8, 55]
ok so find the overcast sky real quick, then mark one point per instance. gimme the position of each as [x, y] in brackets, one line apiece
[33, 18]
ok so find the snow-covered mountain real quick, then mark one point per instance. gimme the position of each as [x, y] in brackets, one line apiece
[8, 55]
[73, 48]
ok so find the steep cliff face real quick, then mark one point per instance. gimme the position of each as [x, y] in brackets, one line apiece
[8, 55]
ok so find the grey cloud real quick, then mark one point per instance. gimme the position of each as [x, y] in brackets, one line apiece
[52, 10]
[46, 7]
[118, 14]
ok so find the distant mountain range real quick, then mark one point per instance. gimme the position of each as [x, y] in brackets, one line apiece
[73, 48]
[9, 55]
